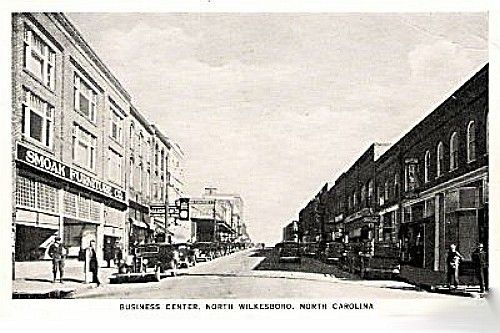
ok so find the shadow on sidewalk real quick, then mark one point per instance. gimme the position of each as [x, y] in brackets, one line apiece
[271, 262]
[50, 281]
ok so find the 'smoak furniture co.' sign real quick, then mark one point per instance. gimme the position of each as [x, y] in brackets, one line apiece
[61, 170]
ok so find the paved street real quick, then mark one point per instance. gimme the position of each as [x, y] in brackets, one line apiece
[257, 274]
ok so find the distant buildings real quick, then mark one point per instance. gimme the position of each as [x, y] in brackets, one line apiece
[87, 165]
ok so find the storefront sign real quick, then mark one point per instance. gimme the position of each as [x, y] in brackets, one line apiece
[61, 170]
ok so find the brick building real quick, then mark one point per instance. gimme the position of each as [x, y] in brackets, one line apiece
[81, 152]
[423, 193]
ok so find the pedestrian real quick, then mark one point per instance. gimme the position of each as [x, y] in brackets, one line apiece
[93, 263]
[452, 263]
[481, 267]
[109, 252]
[57, 252]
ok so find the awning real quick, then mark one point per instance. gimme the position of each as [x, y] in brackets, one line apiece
[112, 231]
[139, 224]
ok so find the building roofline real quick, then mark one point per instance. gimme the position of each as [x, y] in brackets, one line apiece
[78, 37]
[140, 117]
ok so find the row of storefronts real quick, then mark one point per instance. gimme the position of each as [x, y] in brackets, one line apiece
[421, 194]
[86, 164]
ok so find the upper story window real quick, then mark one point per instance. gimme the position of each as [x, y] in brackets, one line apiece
[85, 98]
[471, 142]
[427, 166]
[148, 151]
[140, 144]
[363, 195]
[39, 57]
[370, 191]
[115, 163]
[162, 161]
[354, 200]
[411, 182]
[396, 185]
[439, 159]
[38, 119]
[386, 191]
[132, 136]
[84, 148]
[116, 127]
[454, 151]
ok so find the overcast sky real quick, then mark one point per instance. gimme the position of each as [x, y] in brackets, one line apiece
[272, 106]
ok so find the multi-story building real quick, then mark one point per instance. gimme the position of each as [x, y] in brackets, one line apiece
[425, 192]
[82, 153]
[290, 232]
[67, 133]
[140, 137]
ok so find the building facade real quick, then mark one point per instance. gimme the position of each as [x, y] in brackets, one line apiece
[425, 192]
[81, 152]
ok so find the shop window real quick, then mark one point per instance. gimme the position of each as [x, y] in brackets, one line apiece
[453, 151]
[84, 98]
[70, 204]
[38, 119]
[84, 207]
[25, 192]
[47, 197]
[116, 125]
[471, 142]
[95, 210]
[37, 195]
[84, 148]
[439, 159]
[39, 57]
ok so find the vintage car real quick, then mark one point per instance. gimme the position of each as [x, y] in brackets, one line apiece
[334, 252]
[289, 252]
[187, 254]
[206, 251]
[159, 257]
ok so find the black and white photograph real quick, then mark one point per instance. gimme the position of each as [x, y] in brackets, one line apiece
[223, 160]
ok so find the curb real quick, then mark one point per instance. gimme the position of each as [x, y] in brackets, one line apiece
[54, 294]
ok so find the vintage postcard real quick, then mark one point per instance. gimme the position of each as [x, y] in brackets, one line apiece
[305, 163]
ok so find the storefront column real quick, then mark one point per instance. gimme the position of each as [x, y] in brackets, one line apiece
[100, 236]
[60, 197]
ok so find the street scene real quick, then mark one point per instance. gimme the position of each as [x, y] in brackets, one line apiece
[250, 156]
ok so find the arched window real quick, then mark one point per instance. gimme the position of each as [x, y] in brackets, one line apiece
[370, 192]
[471, 141]
[439, 159]
[354, 200]
[363, 195]
[453, 151]
[427, 166]
[132, 136]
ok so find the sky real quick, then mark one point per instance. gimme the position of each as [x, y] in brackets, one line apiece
[273, 106]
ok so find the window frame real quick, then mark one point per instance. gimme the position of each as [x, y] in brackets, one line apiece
[427, 166]
[46, 57]
[90, 141]
[78, 78]
[470, 134]
[439, 159]
[112, 166]
[116, 119]
[27, 108]
[454, 151]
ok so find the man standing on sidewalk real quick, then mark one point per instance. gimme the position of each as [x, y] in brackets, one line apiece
[452, 263]
[481, 267]
[58, 253]
[93, 263]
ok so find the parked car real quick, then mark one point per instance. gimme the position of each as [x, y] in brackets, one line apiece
[289, 252]
[334, 252]
[157, 256]
[187, 254]
[206, 251]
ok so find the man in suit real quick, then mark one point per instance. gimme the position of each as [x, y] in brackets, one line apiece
[481, 266]
[93, 263]
[57, 252]
[452, 262]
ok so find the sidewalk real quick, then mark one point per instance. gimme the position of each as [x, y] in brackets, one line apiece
[34, 279]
